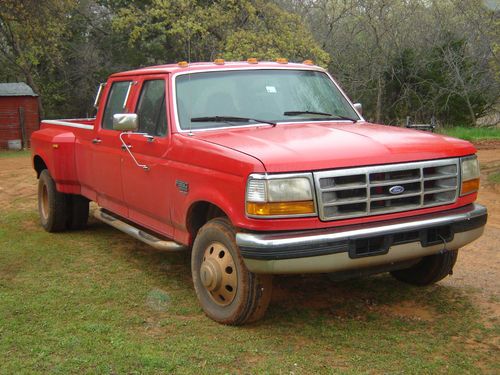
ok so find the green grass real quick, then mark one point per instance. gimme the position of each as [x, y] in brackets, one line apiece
[472, 134]
[14, 154]
[97, 301]
[494, 177]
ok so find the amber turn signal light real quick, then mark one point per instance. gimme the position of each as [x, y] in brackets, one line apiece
[282, 60]
[280, 208]
[469, 186]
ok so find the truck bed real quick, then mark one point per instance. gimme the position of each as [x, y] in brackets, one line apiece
[82, 123]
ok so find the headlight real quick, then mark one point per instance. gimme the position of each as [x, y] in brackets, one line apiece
[280, 195]
[469, 167]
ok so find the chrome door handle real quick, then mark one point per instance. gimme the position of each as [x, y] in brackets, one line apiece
[96, 141]
[124, 147]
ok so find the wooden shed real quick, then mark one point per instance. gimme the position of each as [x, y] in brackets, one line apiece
[19, 116]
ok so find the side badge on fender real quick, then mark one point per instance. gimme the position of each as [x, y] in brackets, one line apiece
[182, 186]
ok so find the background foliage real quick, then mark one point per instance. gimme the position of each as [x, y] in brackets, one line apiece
[418, 58]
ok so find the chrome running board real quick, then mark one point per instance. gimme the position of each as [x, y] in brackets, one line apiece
[138, 233]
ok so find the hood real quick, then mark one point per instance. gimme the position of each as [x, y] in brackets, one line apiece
[314, 146]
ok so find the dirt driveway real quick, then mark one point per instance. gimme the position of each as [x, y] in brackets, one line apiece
[477, 269]
[478, 265]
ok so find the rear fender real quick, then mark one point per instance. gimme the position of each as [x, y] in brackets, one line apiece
[57, 150]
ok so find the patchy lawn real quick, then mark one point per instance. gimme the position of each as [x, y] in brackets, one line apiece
[472, 133]
[98, 301]
[494, 178]
[14, 154]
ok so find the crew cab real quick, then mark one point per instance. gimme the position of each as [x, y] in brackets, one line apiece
[259, 168]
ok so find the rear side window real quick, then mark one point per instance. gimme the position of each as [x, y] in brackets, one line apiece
[151, 109]
[116, 102]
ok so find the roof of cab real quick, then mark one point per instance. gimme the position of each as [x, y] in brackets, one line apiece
[201, 66]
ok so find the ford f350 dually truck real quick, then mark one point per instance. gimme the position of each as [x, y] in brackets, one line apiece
[259, 168]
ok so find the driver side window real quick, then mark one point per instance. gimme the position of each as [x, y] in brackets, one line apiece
[151, 108]
[116, 103]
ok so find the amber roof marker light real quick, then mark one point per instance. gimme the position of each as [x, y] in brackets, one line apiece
[219, 61]
[282, 60]
[308, 62]
[183, 64]
[252, 60]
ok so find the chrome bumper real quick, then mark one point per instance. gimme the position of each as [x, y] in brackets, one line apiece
[361, 246]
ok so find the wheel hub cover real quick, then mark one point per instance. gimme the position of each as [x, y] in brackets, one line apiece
[210, 274]
[218, 274]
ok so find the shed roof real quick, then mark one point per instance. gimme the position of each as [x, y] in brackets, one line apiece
[16, 89]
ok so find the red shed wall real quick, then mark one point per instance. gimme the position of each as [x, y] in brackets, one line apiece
[10, 127]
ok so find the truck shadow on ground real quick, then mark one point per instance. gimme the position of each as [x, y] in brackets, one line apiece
[302, 298]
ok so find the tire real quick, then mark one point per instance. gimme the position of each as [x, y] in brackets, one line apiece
[78, 212]
[227, 291]
[52, 205]
[429, 270]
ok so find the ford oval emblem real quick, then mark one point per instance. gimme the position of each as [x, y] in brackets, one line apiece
[398, 189]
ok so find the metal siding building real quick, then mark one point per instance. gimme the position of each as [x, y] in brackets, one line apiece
[19, 116]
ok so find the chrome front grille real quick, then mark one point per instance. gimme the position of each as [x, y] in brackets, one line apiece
[365, 191]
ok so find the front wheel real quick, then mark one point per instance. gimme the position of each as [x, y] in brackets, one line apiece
[227, 291]
[429, 270]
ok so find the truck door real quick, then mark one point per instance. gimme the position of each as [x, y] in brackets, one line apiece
[107, 151]
[146, 191]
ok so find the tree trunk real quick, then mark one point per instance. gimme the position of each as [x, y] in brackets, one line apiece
[378, 109]
[463, 85]
[471, 110]
[34, 86]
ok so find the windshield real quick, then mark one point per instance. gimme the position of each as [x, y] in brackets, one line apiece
[265, 95]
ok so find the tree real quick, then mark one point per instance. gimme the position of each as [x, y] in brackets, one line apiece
[201, 31]
[30, 35]
[410, 57]
[420, 58]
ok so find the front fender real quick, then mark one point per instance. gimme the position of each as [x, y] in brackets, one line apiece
[226, 191]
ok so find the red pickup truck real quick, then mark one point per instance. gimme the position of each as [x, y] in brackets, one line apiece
[259, 168]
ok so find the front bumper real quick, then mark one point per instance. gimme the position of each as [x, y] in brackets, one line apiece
[361, 246]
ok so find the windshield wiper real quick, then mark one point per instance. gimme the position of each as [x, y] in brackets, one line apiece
[332, 116]
[230, 119]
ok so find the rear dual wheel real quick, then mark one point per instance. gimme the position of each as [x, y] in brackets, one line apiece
[78, 212]
[59, 211]
[227, 291]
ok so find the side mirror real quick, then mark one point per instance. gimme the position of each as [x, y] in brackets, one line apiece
[358, 107]
[125, 122]
[98, 95]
